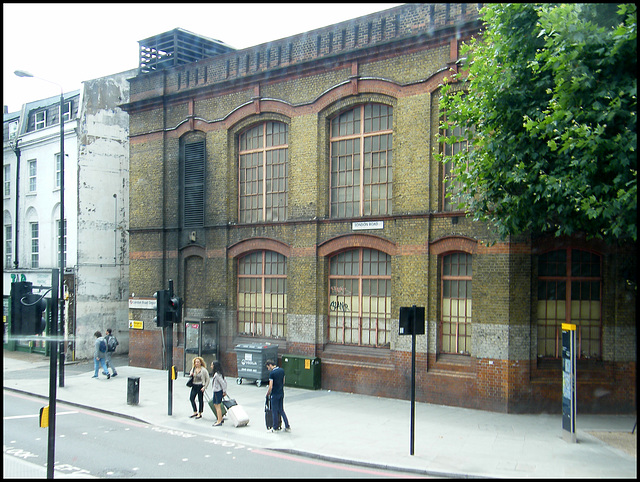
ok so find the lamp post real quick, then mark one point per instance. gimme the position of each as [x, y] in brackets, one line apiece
[59, 321]
[22, 73]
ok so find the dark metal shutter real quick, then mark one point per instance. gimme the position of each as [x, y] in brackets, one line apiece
[194, 161]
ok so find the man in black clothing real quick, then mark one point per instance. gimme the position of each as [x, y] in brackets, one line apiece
[276, 390]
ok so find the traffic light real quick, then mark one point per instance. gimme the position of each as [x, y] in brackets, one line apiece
[174, 310]
[26, 310]
[168, 310]
[161, 297]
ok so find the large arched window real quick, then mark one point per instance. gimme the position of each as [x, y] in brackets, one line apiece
[360, 298]
[361, 161]
[569, 291]
[262, 294]
[262, 174]
[455, 319]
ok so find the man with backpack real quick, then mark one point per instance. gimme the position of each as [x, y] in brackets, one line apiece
[112, 343]
[99, 356]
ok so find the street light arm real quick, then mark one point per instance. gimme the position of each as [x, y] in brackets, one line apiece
[24, 73]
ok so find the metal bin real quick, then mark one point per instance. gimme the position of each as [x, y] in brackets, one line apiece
[252, 358]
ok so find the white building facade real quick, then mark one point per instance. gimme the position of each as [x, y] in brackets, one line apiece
[95, 208]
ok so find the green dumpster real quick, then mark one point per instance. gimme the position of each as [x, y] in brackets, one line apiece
[301, 371]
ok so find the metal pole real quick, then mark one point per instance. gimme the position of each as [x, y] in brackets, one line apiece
[169, 348]
[62, 230]
[413, 377]
[53, 346]
[17, 217]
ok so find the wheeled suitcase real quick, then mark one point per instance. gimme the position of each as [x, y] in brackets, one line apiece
[236, 414]
[268, 415]
[223, 409]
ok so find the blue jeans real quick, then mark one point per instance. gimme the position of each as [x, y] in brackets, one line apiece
[277, 410]
[95, 366]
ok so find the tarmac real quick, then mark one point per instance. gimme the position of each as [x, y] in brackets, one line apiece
[349, 428]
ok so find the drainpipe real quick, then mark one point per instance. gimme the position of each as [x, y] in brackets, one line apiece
[16, 149]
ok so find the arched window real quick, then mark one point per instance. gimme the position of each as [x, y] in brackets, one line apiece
[360, 298]
[569, 291]
[262, 174]
[455, 320]
[361, 161]
[262, 294]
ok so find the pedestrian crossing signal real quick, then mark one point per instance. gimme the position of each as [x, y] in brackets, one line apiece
[44, 417]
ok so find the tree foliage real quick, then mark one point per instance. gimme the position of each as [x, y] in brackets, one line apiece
[549, 98]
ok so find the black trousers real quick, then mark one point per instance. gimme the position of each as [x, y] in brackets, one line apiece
[196, 389]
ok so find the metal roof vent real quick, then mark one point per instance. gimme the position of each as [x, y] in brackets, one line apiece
[177, 47]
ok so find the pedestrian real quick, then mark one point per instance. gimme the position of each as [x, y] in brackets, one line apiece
[99, 355]
[219, 390]
[200, 383]
[112, 343]
[276, 390]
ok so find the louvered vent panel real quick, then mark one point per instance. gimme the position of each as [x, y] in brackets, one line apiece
[194, 159]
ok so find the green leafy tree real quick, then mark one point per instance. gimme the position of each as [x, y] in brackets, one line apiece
[548, 99]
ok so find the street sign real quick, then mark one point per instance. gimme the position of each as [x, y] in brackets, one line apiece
[410, 317]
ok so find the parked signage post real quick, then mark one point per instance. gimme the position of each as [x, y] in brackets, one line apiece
[569, 382]
[412, 323]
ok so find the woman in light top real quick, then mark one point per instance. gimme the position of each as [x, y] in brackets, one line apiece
[200, 383]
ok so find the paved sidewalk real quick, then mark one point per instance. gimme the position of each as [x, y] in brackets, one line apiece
[351, 428]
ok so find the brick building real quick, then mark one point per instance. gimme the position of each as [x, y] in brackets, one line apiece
[291, 193]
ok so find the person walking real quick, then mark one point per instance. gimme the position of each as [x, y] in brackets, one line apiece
[219, 390]
[112, 343]
[276, 390]
[99, 355]
[200, 383]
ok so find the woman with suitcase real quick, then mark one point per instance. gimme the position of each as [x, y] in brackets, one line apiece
[219, 390]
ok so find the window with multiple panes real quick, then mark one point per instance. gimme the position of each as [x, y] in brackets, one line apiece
[361, 162]
[32, 166]
[455, 319]
[8, 246]
[194, 181]
[35, 245]
[58, 170]
[7, 180]
[262, 294]
[360, 298]
[450, 187]
[64, 241]
[66, 111]
[13, 130]
[569, 291]
[263, 165]
[41, 119]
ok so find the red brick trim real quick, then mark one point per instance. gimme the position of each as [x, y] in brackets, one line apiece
[453, 243]
[189, 251]
[350, 241]
[258, 244]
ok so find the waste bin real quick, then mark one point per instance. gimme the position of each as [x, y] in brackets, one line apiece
[301, 371]
[133, 390]
[252, 358]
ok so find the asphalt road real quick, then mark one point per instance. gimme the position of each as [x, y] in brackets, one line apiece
[94, 444]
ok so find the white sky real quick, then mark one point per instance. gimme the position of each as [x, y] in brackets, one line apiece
[102, 38]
